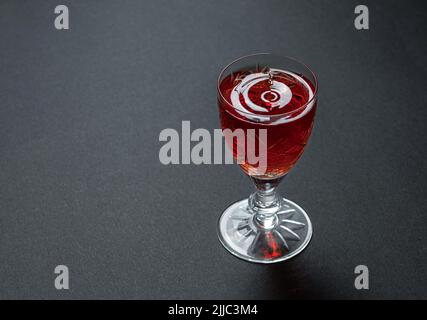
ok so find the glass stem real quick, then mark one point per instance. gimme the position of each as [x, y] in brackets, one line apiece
[265, 202]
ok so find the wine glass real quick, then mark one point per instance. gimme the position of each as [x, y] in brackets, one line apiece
[271, 101]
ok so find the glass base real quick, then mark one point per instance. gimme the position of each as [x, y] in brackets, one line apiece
[243, 236]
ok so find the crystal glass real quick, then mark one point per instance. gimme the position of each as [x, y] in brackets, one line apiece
[267, 105]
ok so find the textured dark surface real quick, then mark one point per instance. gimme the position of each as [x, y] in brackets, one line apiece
[81, 183]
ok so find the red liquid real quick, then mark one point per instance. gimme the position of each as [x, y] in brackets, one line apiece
[276, 101]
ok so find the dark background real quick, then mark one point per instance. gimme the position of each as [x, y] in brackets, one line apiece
[80, 179]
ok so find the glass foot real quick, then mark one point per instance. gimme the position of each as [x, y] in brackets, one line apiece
[242, 235]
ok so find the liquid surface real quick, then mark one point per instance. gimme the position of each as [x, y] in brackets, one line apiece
[269, 92]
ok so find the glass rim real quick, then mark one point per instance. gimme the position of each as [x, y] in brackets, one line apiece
[315, 84]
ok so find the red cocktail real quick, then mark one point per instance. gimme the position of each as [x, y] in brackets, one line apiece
[270, 101]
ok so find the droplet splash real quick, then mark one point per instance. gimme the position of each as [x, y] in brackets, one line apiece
[265, 93]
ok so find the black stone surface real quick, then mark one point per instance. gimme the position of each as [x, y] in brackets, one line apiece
[80, 179]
